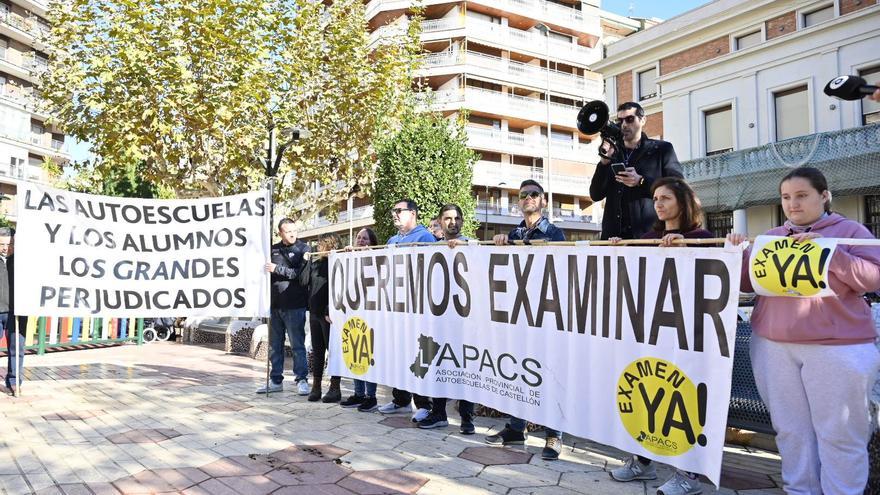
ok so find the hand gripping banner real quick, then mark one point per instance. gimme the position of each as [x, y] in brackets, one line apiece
[627, 346]
[85, 255]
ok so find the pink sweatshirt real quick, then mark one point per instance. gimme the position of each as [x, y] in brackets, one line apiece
[841, 319]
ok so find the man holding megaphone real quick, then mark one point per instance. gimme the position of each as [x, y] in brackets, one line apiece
[629, 164]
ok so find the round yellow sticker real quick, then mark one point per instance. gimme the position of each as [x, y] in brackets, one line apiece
[786, 267]
[661, 407]
[357, 345]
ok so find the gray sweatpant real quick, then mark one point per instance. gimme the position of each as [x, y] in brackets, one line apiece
[818, 399]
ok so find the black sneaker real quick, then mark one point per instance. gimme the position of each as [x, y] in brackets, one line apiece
[507, 436]
[368, 405]
[353, 401]
[433, 421]
[467, 427]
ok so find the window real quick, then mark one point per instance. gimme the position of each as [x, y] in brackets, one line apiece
[4, 44]
[792, 113]
[820, 15]
[648, 84]
[747, 40]
[719, 130]
[719, 223]
[872, 217]
[870, 108]
[478, 121]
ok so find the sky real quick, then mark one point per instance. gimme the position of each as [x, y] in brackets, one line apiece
[663, 9]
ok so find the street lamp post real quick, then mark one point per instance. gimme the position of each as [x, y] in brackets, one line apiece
[548, 169]
[273, 162]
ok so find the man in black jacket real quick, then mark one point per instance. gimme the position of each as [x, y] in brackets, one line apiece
[629, 209]
[289, 300]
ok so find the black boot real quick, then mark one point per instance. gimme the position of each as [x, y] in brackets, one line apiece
[334, 394]
[315, 394]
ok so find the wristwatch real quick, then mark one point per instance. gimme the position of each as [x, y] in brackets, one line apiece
[642, 180]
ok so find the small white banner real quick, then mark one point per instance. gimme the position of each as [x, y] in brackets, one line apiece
[81, 255]
[627, 346]
[781, 266]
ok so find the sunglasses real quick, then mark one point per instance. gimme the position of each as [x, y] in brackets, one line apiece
[629, 119]
[529, 194]
[398, 211]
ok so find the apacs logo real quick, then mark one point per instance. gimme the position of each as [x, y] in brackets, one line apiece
[358, 344]
[504, 366]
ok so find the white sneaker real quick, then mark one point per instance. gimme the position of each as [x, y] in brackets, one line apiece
[420, 414]
[634, 470]
[680, 484]
[273, 387]
[392, 408]
[303, 388]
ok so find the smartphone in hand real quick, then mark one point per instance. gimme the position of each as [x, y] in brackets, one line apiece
[618, 168]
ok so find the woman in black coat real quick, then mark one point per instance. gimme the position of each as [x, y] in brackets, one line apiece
[315, 278]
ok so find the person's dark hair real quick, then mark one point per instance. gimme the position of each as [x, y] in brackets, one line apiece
[285, 221]
[689, 210]
[816, 179]
[640, 112]
[448, 207]
[374, 239]
[329, 242]
[531, 182]
[409, 204]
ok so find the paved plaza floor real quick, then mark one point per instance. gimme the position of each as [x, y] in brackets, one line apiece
[173, 418]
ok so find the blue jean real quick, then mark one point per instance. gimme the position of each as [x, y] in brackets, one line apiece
[520, 425]
[291, 322]
[15, 351]
[364, 389]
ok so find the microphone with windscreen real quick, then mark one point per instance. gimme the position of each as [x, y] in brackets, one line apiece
[849, 88]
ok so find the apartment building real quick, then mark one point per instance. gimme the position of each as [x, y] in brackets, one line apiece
[26, 139]
[737, 87]
[521, 69]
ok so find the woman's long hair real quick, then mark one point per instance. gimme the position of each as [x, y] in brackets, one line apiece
[689, 211]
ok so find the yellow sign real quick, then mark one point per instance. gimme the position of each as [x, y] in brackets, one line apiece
[357, 345]
[661, 407]
[781, 266]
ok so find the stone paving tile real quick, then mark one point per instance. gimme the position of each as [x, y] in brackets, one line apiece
[376, 460]
[231, 406]
[309, 453]
[491, 456]
[383, 481]
[600, 483]
[251, 485]
[308, 473]
[520, 475]
[312, 490]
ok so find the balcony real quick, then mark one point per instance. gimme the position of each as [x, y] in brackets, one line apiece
[20, 172]
[540, 10]
[530, 42]
[493, 212]
[22, 29]
[528, 145]
[41, 144]
[488, 173]
[360, 213]
[507, 105]
[511, 72]
[750, 177]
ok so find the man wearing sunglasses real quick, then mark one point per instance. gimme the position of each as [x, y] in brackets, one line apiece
[629, 209]
[405, 215]
[534, 226]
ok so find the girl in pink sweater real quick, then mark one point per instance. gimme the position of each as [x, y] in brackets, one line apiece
[814, 359]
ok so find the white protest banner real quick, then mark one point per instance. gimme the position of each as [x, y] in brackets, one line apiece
[86, 255]
[627, 346]
[781, 266]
